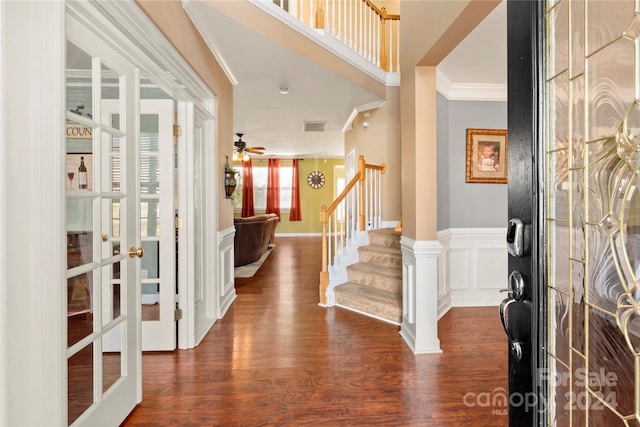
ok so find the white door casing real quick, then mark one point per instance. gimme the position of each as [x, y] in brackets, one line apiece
[3, 264]
[196, 208]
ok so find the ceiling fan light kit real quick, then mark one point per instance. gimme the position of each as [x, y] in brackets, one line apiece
[241, 151]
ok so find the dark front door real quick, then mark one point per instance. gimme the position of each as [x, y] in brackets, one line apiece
[522, 310]
[573, 310]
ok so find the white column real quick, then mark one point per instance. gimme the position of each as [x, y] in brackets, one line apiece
[419, 326]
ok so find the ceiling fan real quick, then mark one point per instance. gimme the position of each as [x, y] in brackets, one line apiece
[241, 149]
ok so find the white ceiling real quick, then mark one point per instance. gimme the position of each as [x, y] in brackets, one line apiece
[263, 66]
[481, 58]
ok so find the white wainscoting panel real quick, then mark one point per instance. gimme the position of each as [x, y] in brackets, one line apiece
[227, 290]
[473, 267]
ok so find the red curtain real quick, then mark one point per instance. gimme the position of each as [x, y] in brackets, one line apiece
[273, 187]
[247, 189]
[295, 214]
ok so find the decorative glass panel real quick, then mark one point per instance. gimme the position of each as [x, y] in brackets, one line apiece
[610, 87]
[558, 41]
[606, 21]
[595, 332]
[577, 306]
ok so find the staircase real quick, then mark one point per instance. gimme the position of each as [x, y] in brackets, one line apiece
[374, 284]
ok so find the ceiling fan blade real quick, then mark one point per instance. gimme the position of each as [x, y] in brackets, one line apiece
[254, 150]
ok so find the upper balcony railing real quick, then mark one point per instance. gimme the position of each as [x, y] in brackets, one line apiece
[359, 24]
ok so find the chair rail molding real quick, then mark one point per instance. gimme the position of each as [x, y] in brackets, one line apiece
[419, 327]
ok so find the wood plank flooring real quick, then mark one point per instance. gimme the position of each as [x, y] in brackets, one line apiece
[278, 359]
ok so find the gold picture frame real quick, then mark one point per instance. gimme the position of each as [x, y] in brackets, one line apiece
[487, 156]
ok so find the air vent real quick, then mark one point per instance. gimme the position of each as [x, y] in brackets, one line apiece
[315, 126]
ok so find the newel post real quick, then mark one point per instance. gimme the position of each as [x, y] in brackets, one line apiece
[324, 273]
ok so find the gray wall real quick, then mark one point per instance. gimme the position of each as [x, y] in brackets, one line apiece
[442, 135]
[467, 205]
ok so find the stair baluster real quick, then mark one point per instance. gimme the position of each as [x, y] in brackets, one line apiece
[355, 210]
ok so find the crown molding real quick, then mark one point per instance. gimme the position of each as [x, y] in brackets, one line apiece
[469, 91]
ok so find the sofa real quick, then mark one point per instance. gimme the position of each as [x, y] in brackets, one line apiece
[252, 238]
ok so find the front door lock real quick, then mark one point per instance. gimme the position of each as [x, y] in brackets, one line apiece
[515, 237]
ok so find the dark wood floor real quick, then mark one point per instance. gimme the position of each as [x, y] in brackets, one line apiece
[277, 359]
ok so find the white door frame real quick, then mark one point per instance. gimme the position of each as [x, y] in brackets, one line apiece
[192, 328]
[3, 206]
[32, 115]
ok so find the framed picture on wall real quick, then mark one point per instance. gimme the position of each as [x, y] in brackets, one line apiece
[487, 156]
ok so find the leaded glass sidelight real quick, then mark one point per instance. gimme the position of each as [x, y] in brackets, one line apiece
[593, 212]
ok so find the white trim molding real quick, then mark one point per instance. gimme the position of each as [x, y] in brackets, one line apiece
[226, 283]
[360, 108]
[34, 389]
[4, 392]
[469, 91]
[198, 19]
[473, 267]
[419, 327]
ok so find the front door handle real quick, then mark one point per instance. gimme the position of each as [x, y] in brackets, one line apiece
[516, 294]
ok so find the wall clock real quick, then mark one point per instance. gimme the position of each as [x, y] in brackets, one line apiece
[315, 179]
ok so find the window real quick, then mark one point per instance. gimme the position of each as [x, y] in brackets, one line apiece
[260, 188]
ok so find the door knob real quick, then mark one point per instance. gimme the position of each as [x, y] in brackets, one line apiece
[136, 252]
[105, 237]
[516, 295]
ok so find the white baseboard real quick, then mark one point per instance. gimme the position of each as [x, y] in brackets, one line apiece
[444, 305]
[298, 234]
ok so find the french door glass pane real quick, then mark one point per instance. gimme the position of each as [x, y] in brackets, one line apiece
[78, 81]
[80, 382]
[111, 90]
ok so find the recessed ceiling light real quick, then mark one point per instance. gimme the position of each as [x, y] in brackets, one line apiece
[284, 90]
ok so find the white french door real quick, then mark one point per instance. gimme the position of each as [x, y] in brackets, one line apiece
[157, 271]
[103, 237]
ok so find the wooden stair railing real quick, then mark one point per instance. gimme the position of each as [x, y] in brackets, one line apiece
[360, 24]
[361, 195]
